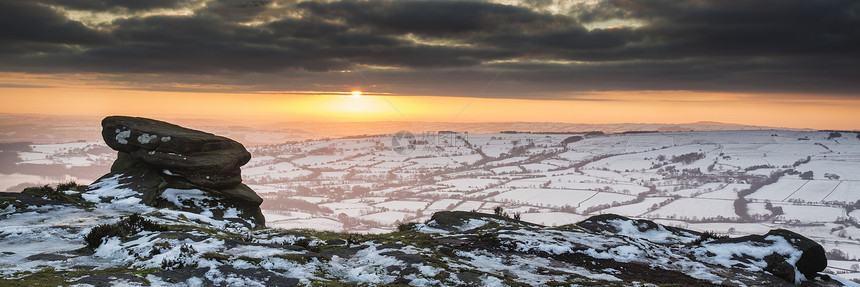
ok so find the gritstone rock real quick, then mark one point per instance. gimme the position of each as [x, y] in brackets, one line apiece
[201, 158]
[156, 156]
[799, 255]
[812, 255]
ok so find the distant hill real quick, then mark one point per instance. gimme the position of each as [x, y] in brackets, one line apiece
[48, 129]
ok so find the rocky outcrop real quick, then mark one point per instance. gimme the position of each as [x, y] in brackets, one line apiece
[452, 249]
[609, 223]
[199, 157]
[792, 253]
[170, 166]
[782, 253]
[463, 220]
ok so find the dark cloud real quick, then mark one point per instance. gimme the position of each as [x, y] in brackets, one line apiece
[436, 18]
[103, 5]
[751, 28]
[237, 10]
[305, 29]
[452, 47]
[23, 22]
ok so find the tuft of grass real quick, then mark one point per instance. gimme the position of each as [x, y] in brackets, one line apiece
[709, 235]
[447, 251]
[59, 194]
[122, 229]
[442, 276]
[39, 190]
[51, 277]
[406, 226]
[6, 201]
[298, 258]
[214, 256]
[304, 242]
[71, 185]
[254, 260]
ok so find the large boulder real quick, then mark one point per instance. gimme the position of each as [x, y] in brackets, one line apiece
[812, 258]
[169, 166]
[607, 223]
[783, 253]
[637, 228]
[200, 157]
[464, 220]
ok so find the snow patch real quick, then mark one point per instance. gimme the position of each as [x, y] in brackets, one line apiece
[231, 213]
[7, 210]
[472, 224]
[146, 138]
[111, 248]
[108, 188]
[367, 266]
[177, 196]
[658, 235]
[122, 137]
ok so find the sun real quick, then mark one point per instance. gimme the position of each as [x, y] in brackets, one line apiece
[356, 94]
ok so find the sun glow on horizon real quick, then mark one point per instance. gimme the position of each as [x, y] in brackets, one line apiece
[34, 95]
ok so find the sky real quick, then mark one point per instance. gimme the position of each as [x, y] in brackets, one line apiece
[780, 63]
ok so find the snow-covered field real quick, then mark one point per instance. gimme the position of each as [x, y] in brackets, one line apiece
[692, 179]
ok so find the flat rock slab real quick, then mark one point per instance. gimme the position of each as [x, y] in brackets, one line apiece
[48, 257]
[200, 157]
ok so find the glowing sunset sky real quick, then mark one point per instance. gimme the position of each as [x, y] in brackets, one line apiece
[784, 63]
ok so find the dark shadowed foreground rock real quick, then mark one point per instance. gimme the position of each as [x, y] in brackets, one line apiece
[780, 252]
[200, 157]
[609, 223]
[798, 253]
[463, 220]
[169, 166]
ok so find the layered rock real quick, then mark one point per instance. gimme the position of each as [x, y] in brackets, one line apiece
[166, 164]
[200, 157]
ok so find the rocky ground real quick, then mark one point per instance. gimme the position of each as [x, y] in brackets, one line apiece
[73, 237]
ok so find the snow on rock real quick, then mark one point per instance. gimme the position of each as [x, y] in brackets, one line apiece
[179, 196]
[783, 253]
[146, 138]
[107, 189]
[460, 221]
[640, 229]
[122, 136]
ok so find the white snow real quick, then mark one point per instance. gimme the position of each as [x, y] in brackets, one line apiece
[122, 136]
[177, 196]
[107, 188]
[367, 266]
[659, 235]
[146, 138]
